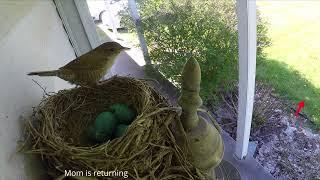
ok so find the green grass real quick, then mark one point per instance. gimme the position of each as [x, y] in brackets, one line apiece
[292, 65]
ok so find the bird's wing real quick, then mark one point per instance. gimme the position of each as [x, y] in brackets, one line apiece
[90, 60]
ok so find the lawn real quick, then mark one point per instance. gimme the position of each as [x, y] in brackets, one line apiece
[292, 65]
[293, 61]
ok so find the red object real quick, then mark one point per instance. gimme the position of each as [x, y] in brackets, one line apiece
[299, 108]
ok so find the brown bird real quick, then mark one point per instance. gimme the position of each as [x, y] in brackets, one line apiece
[89, 68]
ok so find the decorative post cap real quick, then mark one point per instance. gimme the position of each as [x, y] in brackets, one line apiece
[191, 75]
[190, 100]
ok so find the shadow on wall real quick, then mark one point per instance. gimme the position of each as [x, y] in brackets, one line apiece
[291, 85]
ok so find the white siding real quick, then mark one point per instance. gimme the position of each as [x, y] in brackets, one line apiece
[31, 38]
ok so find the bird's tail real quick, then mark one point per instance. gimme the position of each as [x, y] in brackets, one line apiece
[44, 73]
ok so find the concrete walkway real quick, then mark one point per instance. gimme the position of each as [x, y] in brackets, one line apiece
[249, 168]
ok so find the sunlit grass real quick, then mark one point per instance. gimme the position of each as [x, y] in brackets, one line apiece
[294, 28]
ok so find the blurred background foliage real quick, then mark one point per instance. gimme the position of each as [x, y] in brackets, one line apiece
[203, 29]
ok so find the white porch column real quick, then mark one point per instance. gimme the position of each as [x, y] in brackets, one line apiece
[78, 24]
[246, 10]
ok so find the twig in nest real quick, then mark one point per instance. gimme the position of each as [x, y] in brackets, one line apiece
[60, 122]
[43, 89]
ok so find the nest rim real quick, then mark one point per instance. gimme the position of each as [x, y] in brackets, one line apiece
[147, 138]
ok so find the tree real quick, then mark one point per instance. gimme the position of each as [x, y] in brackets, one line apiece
[203, 29]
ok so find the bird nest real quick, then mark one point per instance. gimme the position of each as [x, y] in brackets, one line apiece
[147, 150]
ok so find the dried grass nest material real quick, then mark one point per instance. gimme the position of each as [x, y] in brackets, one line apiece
[148, 149]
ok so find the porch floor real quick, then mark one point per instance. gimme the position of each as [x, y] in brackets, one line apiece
[248, 168]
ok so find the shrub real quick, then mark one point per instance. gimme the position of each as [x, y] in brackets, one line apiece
[203, 29]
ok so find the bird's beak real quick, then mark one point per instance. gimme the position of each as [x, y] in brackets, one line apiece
[126, 48]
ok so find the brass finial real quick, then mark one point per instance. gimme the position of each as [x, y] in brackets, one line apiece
[204, 140]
